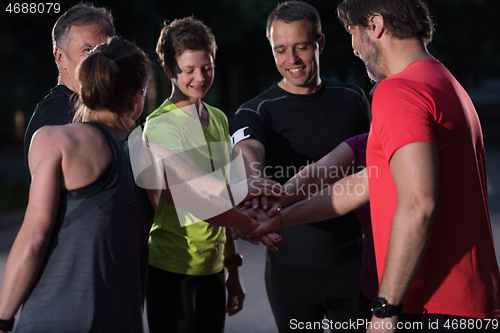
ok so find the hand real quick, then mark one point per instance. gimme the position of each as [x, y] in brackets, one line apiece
[240, 232]
[256, 203]
[235, 291]
[266, 224]
[275, 205]
[268, 240]
[261, 188]
[383, 325]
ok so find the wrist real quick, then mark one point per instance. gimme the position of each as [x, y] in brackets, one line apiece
[382, 308]
[6, 325]
[233, 262]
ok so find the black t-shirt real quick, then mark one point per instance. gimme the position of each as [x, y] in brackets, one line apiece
[57, 108]
[297, 130]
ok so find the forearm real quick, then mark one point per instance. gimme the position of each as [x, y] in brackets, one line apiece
[253, 153]
[337, 164]
[230, 252]
[198, 178]
[233, 218]
[343, 197]
[30, 246]
[415, 170]
[230, 245]
[307, 182]
[179, 168]
[410, 233]
[22, 268]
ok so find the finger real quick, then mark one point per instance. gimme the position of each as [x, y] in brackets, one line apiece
[255, 203]
[234, 234]
[278, 189]
[232, 304]
[268, 243]
[274, 210]
[263, 202]
[253, 241]
[274, 237]
[261, 230]
[248, 204]
[239, 307]
[274, 191]
[250, 212]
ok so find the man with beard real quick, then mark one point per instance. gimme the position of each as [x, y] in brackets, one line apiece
[427, 180]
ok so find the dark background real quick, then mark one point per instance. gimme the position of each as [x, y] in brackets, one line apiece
[466, 41]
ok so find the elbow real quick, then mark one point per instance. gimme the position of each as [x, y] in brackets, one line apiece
[424, 209]
[35, 248]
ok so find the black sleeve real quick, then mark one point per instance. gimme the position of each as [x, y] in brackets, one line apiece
[248, 123]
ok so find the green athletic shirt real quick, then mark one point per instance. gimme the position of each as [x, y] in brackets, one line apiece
[178, 241]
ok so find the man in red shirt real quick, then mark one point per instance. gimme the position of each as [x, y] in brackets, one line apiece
[427, 180]
[433, 240]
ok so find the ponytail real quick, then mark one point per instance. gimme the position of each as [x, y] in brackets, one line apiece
[110, 76]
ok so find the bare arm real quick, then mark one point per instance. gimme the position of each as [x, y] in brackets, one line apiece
[337, 164]
[414, 169]
[210, 208]
[234, 285]
[343, 197]
[181, 164]
[31, 243]
[415, 172]
[254, 156]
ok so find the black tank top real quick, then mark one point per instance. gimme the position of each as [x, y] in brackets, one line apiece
[94, 273]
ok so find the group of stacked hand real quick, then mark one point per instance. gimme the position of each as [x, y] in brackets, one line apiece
[263, 204]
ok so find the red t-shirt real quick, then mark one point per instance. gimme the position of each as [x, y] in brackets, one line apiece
[459, 274]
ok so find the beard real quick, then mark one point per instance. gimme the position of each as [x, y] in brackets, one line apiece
[371, 57]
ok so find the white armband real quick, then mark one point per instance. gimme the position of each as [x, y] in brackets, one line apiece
[238, 136]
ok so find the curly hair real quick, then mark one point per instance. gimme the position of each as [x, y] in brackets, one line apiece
[181, 35]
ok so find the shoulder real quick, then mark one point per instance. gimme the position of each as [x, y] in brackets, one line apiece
[65, 135]
[48, 141]
[216, 112]
[59, 99]
[164, 108]
[397, 88]
[166, 118]
[331, 85]
[273, 94]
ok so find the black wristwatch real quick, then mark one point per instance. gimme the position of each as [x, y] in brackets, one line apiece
[382, 309]
[236, 259]
[6, 325]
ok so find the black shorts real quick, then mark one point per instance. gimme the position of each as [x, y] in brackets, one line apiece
[308, 299]
[185, 303]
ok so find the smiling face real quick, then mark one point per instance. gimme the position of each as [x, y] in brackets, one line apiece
[366, 49]
[193, 76]
[82, 39]
[296, 53]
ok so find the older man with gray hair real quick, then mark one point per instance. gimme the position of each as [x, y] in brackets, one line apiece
[75, 33]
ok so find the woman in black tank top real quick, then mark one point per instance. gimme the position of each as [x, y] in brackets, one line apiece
[79, 262]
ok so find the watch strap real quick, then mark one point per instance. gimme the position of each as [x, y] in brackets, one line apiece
[382, 309]
[236, 259]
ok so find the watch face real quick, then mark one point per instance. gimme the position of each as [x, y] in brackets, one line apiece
[379, 307]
